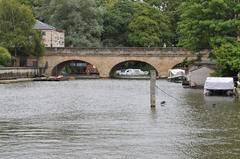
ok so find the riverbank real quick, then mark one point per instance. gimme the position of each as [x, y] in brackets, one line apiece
[16, 80]
[68, 78]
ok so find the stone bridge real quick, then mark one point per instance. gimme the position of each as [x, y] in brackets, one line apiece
[105, 59]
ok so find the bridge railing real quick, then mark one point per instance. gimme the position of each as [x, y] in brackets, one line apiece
[118, 51]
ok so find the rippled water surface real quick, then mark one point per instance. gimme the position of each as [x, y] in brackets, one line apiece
[112, 119]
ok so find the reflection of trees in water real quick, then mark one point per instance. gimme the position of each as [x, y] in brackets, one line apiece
[214, 125]
[74, 69]
[77, 68]
[135, 65]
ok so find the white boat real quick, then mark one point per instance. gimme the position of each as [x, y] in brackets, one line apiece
[176, 75]
[219, 86]
[131, 72]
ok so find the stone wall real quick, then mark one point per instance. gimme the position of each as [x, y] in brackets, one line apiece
[17, 72]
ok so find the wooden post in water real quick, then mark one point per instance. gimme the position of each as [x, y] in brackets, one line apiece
[152, 88]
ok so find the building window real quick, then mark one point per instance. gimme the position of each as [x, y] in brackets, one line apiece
[43, 33]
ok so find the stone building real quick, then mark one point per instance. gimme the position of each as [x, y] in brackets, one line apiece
[51, 36]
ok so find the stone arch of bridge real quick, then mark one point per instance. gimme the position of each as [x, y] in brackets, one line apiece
[178, 66]
[55, 70]
[117, 65]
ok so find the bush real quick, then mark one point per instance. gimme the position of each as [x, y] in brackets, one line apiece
[228, 59]
[5, 56]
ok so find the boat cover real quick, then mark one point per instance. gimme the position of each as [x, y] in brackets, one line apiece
[173, 73]
[219, 83]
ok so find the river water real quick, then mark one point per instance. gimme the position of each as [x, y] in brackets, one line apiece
[112, 119]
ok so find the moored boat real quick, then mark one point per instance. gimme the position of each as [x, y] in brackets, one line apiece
[219, 86]
[176, 75]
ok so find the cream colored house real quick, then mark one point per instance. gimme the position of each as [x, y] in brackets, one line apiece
[51, 36]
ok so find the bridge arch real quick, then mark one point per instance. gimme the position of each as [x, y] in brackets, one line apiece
[132, 64]
[74, 67]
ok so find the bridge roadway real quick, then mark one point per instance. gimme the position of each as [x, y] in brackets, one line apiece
[105, 59]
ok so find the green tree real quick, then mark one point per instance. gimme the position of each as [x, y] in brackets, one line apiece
[206, 24]
[38, 47]
[40, 8]
[170, 8]
[28, 2]
[165, 5]
[16, 27]
[228, 58]
[116, 21]
[43, 9]
[107, 3]
[5, 56]
[81, 20]
[149, 27]
[35, 47]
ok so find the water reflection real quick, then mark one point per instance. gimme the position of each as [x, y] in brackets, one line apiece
[215, 126]
[113, 119]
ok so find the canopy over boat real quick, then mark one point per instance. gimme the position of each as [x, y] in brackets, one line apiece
[219, 83]
[174, 73]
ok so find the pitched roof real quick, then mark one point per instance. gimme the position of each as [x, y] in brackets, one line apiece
[43, 26]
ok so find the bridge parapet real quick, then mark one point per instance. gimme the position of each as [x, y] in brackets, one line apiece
[173, 51]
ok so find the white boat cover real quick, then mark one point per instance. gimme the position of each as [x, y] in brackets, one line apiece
[176, 73]
[219, 83]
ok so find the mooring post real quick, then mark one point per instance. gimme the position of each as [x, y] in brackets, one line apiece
[152, 88]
